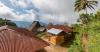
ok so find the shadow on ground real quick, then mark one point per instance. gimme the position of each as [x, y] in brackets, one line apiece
[68, 40]
[41, 50]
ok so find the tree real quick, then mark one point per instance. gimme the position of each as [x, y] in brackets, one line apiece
[93, 31]
[6, 22]
[83, 5]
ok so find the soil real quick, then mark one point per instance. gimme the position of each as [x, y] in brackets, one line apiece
[54, 48]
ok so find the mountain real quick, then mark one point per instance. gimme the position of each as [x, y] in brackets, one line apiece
[22, 24]
[25, 24]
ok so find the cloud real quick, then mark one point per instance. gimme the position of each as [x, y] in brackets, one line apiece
[22, 3]
[6, 12]
[61, 10]
[53, 6]
[58, 11]
[48, 10]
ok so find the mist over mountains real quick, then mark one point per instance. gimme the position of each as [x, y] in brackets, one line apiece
[25, 24]
[22, 24]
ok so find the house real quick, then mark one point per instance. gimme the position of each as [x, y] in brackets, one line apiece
[62, 27]
[19, 40]
[56, 36]
[58, 33]
[36, 27]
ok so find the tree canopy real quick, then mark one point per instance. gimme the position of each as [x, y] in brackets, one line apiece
[84, 4]
[6, 22]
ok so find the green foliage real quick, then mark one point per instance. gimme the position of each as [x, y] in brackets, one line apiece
[93, 31]
[40, 34]
[76, 46]
[6, 22]
[84, 4]
[94, 35]
[90, 24]
[85, 18]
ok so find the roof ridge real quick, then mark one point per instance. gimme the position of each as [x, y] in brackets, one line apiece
[3, 27]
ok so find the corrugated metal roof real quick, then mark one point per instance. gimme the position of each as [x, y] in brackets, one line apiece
[19, 40]
[54, 31]
[62, 27]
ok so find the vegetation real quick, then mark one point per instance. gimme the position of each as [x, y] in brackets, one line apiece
[93, 31]
[6, 22]
[89, 27]
[81, 42]
[84, 5]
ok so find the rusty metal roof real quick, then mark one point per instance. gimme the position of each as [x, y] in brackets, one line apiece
[19, 40]
[61, 27]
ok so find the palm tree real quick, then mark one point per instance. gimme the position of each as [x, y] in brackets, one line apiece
[84, 5]
[81, 5]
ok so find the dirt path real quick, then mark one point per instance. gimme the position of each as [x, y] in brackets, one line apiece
[53, 48]
[85, 40]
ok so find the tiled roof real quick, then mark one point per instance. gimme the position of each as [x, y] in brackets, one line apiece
[19, 40]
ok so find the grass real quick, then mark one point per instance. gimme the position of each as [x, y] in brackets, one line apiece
[41, 34]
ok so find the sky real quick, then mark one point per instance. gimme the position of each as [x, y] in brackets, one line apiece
[47, 11]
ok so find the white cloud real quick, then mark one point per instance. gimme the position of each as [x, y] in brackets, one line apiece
[54, 18]
[21, 3]
[62, 10]
[6, 12]
[50, 10]
[53, 10]
[4, 9]
[28, 17]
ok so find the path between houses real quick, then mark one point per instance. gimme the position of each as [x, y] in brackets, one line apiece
[53, 48]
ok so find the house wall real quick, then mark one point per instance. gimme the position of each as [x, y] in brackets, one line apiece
[59, 39]
[56, 39]
[53, 39]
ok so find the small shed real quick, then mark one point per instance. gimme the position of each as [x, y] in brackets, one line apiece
[19, 40]
[56, 36]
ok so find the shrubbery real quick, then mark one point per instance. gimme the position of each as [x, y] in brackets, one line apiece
[93, 32]
[6, 22]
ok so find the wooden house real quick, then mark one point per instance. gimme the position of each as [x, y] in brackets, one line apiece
[19, 40]
[57, 34]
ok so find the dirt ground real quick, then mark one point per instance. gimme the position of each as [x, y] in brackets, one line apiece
[54, 48]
